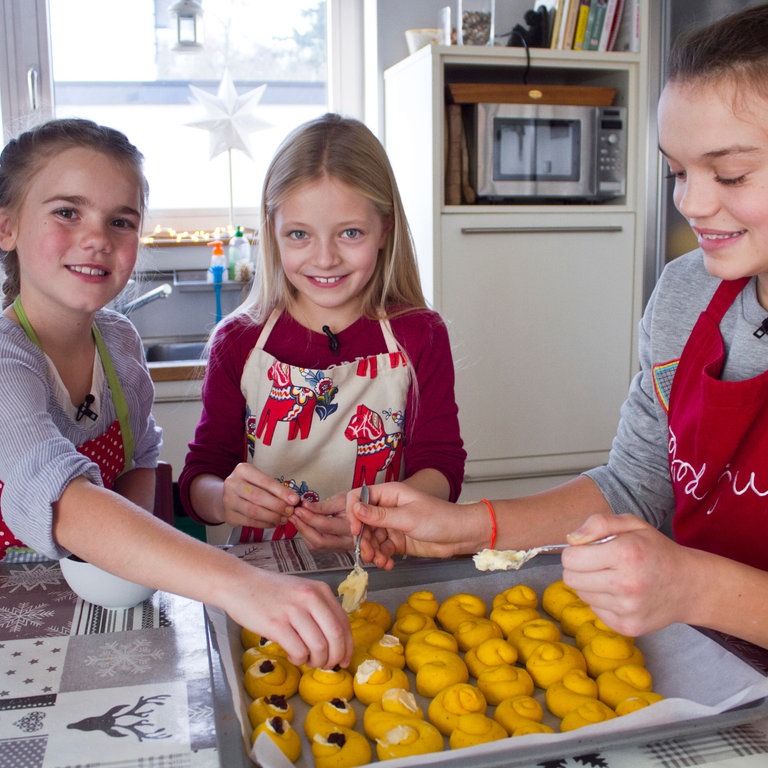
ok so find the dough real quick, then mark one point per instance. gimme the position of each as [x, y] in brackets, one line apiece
[574, 689]
[475, 729]
[549, 662]
[414, 737]
[272, 676]
[282, 734]
[445, 709]
[340, 747]
[317, 685]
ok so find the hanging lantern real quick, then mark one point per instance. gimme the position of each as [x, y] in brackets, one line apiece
[189, 23]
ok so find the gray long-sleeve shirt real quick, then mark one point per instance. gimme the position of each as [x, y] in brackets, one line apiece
[636, 478]
[38, 457]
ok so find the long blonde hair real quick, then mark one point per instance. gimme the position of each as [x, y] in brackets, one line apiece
[346, 150]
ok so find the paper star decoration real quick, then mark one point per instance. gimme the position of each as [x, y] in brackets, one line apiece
[230, 118]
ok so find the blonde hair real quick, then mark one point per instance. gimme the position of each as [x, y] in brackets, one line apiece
[346, 150]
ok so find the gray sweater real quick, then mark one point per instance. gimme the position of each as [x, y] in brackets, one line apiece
[38, 458]
[636, 478]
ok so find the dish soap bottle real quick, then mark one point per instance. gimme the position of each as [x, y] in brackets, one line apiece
[218, 270]
[239, 250]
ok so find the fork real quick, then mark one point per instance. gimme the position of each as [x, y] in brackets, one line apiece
[364, 498]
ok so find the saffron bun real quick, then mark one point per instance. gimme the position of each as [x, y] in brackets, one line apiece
[364, 633]
[475, 729]
[326, 714]
[270, 706]
[359, 655]
[556, 596]
[509, 616]
[373, 678]
[615, 685]
[271, 676]
[457, 608]
[519, 596]
[531, 726]
[574, 615]
[443, 669]
[589, 629]
[263, 644]
[575, 688]
[340, 747]
[588, 713]
[409, 738]
[373, 613]
[516, 711]
[317, 685]
[472, 632]
[282, 734]
[606, 652]
[396, 706]
[389, 650]
[452, 702]
[639, 700]
[410, 624]
[527, 636]
[422, 645]
[419, 602]
[504, 682]
[549, 662]
[490, 653]
[251, 656]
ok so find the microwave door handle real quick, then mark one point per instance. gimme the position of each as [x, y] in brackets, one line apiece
[538, 230]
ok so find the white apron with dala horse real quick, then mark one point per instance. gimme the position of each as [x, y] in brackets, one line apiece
[320, 432]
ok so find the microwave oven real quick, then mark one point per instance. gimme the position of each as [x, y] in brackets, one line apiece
[532, 152]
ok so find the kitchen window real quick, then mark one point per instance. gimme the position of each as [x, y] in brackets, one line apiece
[120, 64]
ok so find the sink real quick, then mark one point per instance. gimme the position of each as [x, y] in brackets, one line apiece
[174, 351]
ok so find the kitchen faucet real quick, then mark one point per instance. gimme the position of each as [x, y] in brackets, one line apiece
[161, 292]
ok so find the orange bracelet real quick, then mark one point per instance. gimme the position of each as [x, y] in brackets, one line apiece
[494, 530]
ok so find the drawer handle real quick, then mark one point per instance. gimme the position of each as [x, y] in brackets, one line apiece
[537, 230]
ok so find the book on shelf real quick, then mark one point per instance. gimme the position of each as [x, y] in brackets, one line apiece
[628, 31]
[595, 21]
[557, 23]
[569, 29]
[581, 25]
[613, 11]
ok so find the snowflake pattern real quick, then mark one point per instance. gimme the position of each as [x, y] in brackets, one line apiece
[132, 656]
[39, 576]
[23, 615]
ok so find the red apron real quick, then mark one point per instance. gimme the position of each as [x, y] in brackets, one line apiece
[718, 445]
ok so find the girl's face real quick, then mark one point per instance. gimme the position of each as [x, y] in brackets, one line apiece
[329, 237]
[76, 232]
[718, 155]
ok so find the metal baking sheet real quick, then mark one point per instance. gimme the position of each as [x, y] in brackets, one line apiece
[706, 685]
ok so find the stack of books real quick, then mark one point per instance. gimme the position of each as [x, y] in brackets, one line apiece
[595, 25]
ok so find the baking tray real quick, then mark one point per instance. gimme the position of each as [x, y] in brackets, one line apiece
[707, 685]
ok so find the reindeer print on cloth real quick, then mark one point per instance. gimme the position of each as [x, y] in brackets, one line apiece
[321, 432]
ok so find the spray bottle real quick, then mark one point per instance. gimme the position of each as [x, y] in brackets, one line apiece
[239, 250]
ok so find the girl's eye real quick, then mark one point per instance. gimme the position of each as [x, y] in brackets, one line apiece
[351, 234]
[297, 234]
[677, 175]
[730, 182]
[65, 213]
[124, 224]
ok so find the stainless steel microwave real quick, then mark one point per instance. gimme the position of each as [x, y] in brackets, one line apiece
[529, 152]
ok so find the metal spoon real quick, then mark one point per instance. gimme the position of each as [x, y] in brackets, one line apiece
[512, 559]
[354, 589]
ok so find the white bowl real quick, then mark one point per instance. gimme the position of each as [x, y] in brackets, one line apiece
[102, 588]
[418, 38]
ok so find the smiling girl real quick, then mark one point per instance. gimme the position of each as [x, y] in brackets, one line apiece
[334, 373]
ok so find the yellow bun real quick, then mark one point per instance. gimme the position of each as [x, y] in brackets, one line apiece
[519, 596]
[586, 714]
[410, 624]
[445, 709]
[517, 711]
[472, 632]
[269, 706]
[526, 728]
[615, 685]
[574, 615]
[324, 684]
[445, 668]
[373, 613]
[605, 652]
[282, 734]
[549, 662]
[556, 596]
[421, 645]
[589, 629]
[251, 656]
[574, 689]
[475, 729]
[359, 655]
[527, 636]
[389, 650]
[509, 616]
[419, 602]
[457, 608]
[364, 634]
[490, 653]
[412, 737]
[639, 700]
[373, 678]
[270, 676]
[326, 714]
[340, 748]
[504, 682]
[396, 706]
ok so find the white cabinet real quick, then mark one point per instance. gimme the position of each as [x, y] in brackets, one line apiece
[542, 301]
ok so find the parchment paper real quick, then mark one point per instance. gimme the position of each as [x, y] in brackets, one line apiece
[698, 677]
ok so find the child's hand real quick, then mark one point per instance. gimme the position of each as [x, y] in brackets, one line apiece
[324, 524]
[255, 499]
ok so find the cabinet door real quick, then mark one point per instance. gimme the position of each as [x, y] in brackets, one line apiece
[540, 311]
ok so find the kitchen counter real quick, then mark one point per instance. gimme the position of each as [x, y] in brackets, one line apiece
[178, 370]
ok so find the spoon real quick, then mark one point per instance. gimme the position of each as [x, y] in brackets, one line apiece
[512, 559]
[354, 589]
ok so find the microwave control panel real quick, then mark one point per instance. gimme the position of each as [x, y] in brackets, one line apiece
[611, 151]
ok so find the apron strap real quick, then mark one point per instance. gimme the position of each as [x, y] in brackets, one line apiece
[118, 398]
[267, 328]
